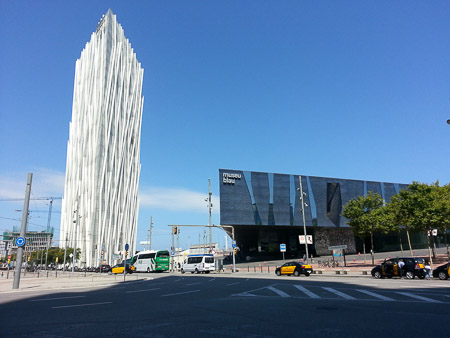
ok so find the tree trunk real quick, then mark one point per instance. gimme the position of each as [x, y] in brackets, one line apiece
[364, 248]
[401, 244]
[434, 246]
[429, 249]
[409, 242]
[446, 243]
[371, 249]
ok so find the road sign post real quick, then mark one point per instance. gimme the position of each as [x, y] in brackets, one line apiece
[283, 249]
[23, 231]
[125, 254]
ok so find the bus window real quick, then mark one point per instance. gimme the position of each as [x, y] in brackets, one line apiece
[147, 256]
[163, 254]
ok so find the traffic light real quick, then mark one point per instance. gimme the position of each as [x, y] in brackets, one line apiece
[175, 230]
[126, 254]
[235, 251]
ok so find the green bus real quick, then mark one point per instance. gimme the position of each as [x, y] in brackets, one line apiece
[151, 260]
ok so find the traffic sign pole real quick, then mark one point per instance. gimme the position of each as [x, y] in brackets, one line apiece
[283, 249]
[23, 230]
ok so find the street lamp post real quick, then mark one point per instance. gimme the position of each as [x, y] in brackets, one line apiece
[232, 237]
[302, 195]
[210, 205]
[150, 233]
[74, 260]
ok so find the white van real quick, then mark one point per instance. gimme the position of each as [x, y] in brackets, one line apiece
[199, 264]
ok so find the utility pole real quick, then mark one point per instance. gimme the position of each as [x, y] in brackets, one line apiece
[302, 195]
[75, 238]
[23, 231]
[65, 253]
[49, 214]
[46, 255]
[210, 207]
[204, 241]
[173, 249]
[149, 239]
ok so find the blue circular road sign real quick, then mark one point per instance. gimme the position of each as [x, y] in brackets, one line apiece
[127, 247]
[20, 241]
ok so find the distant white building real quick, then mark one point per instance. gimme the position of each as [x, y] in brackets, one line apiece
[100, 204]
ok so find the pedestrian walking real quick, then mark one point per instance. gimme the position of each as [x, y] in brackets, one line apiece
[428, 269]
[401, 264]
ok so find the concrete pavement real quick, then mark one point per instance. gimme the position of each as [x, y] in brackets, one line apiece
[48, 280]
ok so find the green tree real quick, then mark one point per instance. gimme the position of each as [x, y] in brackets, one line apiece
[421, 207]
[366, 216]
[441, 205]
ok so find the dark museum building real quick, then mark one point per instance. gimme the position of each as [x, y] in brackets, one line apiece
[265, 211]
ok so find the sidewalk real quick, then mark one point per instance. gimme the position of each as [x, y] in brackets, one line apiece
[356, 267]
[30, 282]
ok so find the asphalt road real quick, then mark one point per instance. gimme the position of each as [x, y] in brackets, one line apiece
[219, 305]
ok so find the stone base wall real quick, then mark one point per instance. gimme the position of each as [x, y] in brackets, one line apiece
[325, 237]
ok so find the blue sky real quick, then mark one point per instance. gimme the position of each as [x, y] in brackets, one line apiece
[347, 89]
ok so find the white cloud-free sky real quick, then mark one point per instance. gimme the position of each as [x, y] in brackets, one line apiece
[348, 89]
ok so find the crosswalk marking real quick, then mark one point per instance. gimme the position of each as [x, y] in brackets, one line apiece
[429, 300]
[232, 283]
[278, 292]
[306, 291]
[339, 293]
[376, 295]
[288, 293]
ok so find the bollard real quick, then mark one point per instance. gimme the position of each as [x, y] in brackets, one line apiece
[254, 268]
[268, 270]
[260, 268]
[248, 269]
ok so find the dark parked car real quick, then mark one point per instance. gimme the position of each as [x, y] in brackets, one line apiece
[389, 268]
[442, 272]
[105, 268]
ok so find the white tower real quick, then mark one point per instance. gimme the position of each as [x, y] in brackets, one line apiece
[100, 204]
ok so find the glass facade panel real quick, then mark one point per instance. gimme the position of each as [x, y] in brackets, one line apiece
[255, 198]
[266, 211]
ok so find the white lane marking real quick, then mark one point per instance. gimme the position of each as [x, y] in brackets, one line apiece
[142, 290]
[232, 283]
[339, 293]
[278, 292]
[193, 283]
[211, 280]
[245, 294]
[152, 284]
[79, 305]
[179, 293]
[306, 291]
[40, 300]
[376, 295]
[429, 300]
[248, 293]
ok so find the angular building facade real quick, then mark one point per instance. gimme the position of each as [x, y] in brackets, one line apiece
[265, 210]
[100, 204]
